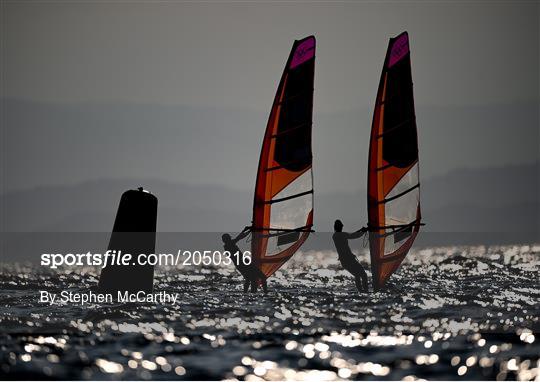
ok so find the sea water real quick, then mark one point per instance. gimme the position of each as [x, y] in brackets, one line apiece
[448, 313]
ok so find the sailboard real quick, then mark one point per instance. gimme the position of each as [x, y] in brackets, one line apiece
[283, 200]
[393, 172]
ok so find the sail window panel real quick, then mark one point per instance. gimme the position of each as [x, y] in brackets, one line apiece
[292, 213]
[394, 241]
[301, 184]
[274, 247]
[402, 210]
[402, 234]
[409, 180]
[287, 215]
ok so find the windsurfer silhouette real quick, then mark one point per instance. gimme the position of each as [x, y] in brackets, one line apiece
[347, 259]
[251, 273]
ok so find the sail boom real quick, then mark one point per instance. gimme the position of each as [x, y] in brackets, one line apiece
[306, 228]
[411, 224]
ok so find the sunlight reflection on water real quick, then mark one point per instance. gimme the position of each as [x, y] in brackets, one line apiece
[452, 312]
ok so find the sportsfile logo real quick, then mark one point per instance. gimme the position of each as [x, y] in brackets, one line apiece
[119, 258]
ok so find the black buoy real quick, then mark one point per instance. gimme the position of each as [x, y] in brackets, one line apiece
[134, 233]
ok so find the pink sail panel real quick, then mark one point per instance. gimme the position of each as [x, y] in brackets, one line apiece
[399, 49]
[303, 52]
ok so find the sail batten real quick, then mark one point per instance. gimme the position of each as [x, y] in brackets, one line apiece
[283, 201]
[393, 171]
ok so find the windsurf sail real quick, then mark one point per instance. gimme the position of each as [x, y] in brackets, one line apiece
[393, 176]
[283, 202]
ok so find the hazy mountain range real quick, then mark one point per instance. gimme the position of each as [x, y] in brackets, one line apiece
[65, 143]
[503, 199]
[52, 143]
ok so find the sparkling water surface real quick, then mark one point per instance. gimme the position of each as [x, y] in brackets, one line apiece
[449, 313]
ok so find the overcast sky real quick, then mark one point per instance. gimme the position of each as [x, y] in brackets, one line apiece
[475, 72]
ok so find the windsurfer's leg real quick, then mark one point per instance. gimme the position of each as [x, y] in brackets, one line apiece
[246, 285]
[352, 268]
[361, 274]
[261, 277]
[358, 283]
[253, 286]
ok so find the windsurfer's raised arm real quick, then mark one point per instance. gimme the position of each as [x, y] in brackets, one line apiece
[245, 232]
[357, 234]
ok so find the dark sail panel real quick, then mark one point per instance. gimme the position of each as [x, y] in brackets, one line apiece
[293, 140]
[400, 147]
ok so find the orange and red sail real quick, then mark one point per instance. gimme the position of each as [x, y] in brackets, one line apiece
[393, 176]
[283, 202]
